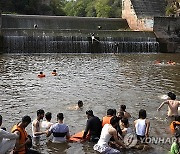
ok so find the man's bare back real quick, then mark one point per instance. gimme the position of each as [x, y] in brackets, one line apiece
[172, 105]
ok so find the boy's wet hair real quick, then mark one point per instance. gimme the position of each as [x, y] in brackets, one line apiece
[142, 114]
[26, 119]
[114, 110]
[89, 112]
[60, 116]
[40, 111]
[48, 115]
[110, 112]
[114, 120]
[171, 95]
[80, 103]
[123, 107]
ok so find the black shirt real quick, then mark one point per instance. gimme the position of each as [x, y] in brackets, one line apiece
[94, 125]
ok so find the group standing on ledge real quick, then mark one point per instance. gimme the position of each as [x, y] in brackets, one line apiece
[108, 134]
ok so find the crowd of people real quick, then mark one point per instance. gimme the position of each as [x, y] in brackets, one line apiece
[106, 134]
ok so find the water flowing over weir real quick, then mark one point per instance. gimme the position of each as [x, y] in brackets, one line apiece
[42, 34]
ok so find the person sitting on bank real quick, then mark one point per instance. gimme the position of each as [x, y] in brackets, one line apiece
[123, 109]
[172, 103]
[24, 142]
[109, 131]
[93, 126]
[47, 123]
[7, 140]
[41, 75]
[54, 73]
[106, 119]
[59, 130]
[142, 126]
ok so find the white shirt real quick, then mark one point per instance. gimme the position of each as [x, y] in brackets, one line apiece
[46, 124]
[105, 136]
[141, 127]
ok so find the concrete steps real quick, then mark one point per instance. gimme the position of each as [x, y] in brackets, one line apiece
[149, 7]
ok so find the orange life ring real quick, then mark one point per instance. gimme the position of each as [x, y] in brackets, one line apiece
[54, 73]
[172, 126]
[78, 137]
[41, 75]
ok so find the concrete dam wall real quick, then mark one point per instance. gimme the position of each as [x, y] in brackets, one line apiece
[46, 34]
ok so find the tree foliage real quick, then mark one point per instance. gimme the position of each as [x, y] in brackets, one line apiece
[81, 8]
[172, 7]
[94, 8]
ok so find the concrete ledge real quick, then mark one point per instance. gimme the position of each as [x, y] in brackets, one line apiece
[62, 22]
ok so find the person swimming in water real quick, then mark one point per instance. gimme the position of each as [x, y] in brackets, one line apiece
[41, 75]
[54, 73]
[76, 107]
[172, 103]
[170, 62]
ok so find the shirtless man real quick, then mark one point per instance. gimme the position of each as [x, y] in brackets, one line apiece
[123, 109]
[172, 105]
[76, 107]
[36, 124]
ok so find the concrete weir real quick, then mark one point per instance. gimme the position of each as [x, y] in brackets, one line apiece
[57, 34]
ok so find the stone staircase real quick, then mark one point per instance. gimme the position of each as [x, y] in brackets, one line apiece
[149, 8]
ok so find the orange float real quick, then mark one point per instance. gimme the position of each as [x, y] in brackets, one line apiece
[78, 137]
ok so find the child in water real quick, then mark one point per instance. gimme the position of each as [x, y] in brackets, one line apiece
[78, 106]
[54, 73]
[142, 126]
[41, 75]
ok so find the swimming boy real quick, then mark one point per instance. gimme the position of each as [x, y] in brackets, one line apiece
[172, 105]
[76, 107]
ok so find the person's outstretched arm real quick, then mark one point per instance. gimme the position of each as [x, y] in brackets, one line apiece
[86, 130]
[162, 104]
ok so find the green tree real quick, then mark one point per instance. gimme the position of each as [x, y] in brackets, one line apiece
[69, 8]
[80, 6]
[103, 9]
[57, 7]
[91, 10]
